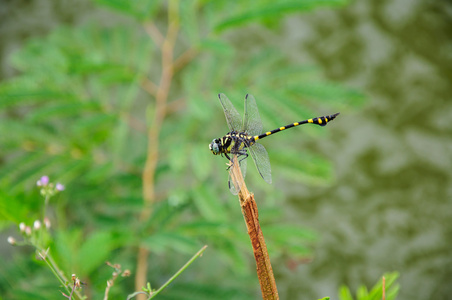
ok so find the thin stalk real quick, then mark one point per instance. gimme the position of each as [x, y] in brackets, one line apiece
[166, 44]
[199, 253]
[54, 271]
[57, 272]
[251, 215]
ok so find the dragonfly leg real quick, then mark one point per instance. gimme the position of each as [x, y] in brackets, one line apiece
[230, 160]
[245, 156]
[239, 153]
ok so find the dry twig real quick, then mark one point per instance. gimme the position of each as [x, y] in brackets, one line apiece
[251, 215]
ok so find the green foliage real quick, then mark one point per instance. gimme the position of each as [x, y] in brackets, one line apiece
[362, 293]
[79, 111]
[267, 11]
[82, 255]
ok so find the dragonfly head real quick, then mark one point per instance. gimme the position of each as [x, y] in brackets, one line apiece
[215, 146]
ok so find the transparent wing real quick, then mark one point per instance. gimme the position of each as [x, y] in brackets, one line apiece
[235, 187]
[252, 123]
[232, 116]
[261, 160]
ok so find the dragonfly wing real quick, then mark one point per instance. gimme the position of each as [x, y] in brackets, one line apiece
[235, 187]
[232, 186]
[261, 160]
[252, 123]
[232, 116]
[243, 167]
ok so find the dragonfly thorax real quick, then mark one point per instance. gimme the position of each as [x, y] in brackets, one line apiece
[233, 142]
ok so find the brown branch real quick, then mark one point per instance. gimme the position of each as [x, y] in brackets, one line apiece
[167, 45]
[149, 86]
[251, 215]
[117, 271]
[154, 33]
[184, 59]
[175, 105]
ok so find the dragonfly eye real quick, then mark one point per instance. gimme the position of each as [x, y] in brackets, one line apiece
[215, 146]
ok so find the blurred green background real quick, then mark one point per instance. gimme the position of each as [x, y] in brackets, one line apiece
[369, 193]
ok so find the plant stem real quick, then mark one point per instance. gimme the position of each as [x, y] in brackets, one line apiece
[251, 215]
[56, 271]
[167, 45]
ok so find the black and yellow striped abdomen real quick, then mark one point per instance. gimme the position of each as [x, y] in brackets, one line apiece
[236, 142]
[322, 121]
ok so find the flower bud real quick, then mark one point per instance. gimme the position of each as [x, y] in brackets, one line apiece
[11, 240]
[37, 225]
[47, 222]
[22, 227]
[28, 230]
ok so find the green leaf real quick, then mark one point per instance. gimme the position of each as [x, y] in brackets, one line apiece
[166, 212]
[283, 233]
[208, 229]
[34, 170]
[61, 110]
[18, 208]
[362, 293]
[189, 19]
[217, 46]
[344, 293]
[273, 10]
[232, 253]
[208, 204]
[140, 9]
[301, 166]
[390, 287]
[91, 123]
[161, 241]
[376, 292]
[94, 251]
[66, 246]
[178, 159]
[10, 97]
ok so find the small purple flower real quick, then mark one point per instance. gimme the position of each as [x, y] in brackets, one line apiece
[59, 187]
[43, 181]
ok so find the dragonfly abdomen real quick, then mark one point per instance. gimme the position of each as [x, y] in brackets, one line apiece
[322, 121]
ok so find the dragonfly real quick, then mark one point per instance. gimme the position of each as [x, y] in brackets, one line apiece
[241, 140]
